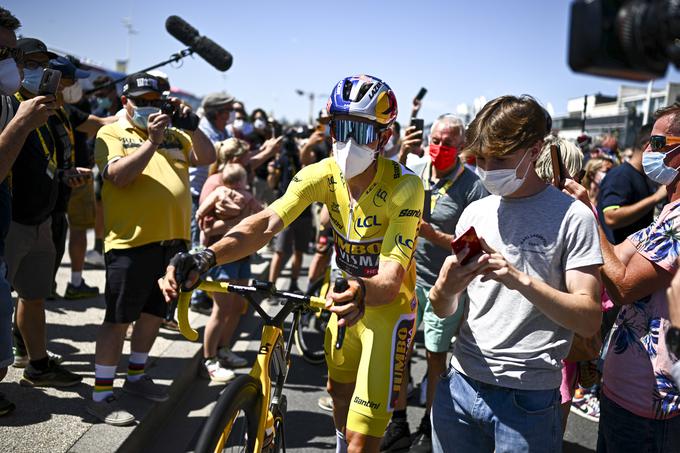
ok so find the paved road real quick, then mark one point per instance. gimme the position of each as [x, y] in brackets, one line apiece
[310, 429]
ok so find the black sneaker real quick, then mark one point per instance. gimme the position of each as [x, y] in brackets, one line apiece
[422, 442]
[54, 376]
[397, 437]
[83, 291]
[6, 406]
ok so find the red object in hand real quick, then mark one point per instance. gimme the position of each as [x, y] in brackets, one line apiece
[469, 238]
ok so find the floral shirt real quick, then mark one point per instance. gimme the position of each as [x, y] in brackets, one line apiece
[637, 368]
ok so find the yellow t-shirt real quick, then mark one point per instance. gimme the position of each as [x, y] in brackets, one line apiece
[156, 206]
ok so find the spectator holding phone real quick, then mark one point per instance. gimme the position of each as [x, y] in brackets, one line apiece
[42, 164]
[17, 124]
[449, 189]
[535, 282]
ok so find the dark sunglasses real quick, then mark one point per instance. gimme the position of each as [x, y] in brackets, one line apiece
[141, 102]
[362, 133]
[659, 142]
[7, 52]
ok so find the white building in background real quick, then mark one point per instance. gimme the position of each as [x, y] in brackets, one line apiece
[621, 115]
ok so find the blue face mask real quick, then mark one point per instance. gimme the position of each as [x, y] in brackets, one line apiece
[32, 78]
[656, 169]
[140, 117]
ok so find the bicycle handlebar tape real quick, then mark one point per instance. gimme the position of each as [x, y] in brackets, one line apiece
[183, 316]
[341, 285]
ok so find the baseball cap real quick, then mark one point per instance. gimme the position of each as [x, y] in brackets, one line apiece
[68, 69]
[215, 101]
[141, 83]
[32, 46]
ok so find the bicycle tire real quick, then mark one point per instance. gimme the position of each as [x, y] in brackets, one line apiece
[311, 351]
[242, 395]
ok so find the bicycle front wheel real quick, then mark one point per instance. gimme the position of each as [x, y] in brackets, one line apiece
[232, 425]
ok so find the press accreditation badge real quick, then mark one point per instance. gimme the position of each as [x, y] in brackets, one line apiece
[51, 169]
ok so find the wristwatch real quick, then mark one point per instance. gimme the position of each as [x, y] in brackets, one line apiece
[673, 341]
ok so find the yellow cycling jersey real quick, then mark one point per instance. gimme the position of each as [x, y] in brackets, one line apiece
[381, 225]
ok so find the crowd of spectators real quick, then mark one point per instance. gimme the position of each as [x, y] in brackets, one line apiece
[570, 307]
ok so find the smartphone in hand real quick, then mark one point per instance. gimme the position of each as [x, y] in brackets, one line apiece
[469, 238]
[558, 169]
[419, 123]
[49, 83]
[421, 94]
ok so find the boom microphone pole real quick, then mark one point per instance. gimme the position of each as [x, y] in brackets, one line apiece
[206, 48]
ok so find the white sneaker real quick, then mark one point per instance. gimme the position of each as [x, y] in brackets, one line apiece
[217, 373]
[230, 359]
[94, 259]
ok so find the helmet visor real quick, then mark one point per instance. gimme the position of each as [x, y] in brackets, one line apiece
[363, 133]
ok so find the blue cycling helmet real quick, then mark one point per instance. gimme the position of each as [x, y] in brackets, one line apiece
[364, 96]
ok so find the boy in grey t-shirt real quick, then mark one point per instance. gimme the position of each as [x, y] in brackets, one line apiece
[535, 282]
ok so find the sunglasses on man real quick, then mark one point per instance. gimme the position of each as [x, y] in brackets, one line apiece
[362, 133]
[659, 142]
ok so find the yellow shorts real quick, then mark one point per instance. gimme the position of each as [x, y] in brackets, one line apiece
[81, 207]
[374, 356]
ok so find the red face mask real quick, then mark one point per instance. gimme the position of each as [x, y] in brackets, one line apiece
[443, 156]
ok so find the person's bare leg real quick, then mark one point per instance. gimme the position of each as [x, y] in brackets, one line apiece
[214, 328]
[31, 323]
[109, 346]
[297, 265]
[77, 246]
[341, 394]
[362, 443]
[565, 408]
[233, 306]
[318, 265]
[436, 366]
[275, 266]
[145, 332]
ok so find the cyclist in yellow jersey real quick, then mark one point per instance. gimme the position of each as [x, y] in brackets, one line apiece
[375, 207]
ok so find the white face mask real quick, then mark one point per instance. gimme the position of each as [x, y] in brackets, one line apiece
[502, 182]
[352, 159]
[10, 80]
[259, 124]
[32, 78]
[73, 94]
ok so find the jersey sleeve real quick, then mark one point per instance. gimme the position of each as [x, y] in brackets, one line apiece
[614, 192]
[307, 186]
[107, 147]
[406, 208]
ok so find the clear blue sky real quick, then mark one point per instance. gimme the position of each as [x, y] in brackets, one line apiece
[458, 49]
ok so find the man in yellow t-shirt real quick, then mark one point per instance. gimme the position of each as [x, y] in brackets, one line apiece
[147, 211]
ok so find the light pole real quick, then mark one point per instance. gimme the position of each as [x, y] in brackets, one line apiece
[311, 97]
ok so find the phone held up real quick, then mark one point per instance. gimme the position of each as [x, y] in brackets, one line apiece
[559, 172]
[49, 83]
[421, 94]
[419, 123]
[469, 238]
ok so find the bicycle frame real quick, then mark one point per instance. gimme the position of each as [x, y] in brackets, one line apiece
[274, 354]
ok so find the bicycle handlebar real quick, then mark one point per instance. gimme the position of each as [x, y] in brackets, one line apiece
[265, 288]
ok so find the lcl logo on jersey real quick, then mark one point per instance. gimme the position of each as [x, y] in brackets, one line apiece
[368, 222]
[380, 198]
[405, 246]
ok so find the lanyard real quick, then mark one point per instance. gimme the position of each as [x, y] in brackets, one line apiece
[51, 156]
[437, 193]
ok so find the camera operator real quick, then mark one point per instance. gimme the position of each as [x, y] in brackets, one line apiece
[44, 163]
[147, 210]
[16, 125]
[535, 282]
[296, 238]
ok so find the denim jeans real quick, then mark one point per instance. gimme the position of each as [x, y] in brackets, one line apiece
[621, 431]
[468, 415]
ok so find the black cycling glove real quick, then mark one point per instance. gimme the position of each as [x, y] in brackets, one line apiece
[185, 263]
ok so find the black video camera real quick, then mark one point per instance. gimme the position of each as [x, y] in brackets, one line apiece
[628, 39]
[187, 122]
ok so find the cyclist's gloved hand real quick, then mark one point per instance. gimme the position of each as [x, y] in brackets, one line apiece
[189, 266]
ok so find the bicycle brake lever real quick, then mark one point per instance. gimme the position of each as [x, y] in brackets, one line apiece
[341, 285]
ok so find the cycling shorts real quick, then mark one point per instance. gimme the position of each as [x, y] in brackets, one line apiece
[384, 332]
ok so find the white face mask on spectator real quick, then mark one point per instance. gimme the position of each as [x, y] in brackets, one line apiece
[73, 94]
[32, 78]
[10, 80]
[503, 182]
[259, 124]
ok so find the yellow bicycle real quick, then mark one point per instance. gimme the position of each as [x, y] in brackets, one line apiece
[249, 415]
